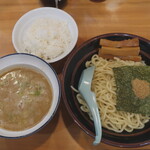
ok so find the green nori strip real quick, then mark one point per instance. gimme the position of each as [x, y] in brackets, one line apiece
[126, 98]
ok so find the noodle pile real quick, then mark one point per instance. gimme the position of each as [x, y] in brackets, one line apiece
[104, 86]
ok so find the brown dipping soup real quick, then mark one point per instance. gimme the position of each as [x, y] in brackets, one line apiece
[25, 98]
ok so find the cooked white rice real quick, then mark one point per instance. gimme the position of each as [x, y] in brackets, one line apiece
[47, 38]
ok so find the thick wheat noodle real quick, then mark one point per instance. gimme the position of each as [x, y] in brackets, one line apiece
[103, 85]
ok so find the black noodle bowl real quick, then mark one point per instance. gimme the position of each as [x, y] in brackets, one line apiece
[71, 74]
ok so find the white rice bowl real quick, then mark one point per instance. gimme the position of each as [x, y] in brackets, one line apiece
[49, 33]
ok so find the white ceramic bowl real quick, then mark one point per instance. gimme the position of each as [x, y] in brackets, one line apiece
[27, 19]
[37, 64]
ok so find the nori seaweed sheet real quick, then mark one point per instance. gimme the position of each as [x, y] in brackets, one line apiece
[126, 98]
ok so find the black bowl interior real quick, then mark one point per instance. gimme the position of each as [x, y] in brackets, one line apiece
[71, 74]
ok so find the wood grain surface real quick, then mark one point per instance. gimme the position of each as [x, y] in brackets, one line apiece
[93, 18]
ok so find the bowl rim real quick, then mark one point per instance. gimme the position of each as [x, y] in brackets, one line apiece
[71, 113]
[56, 105]
[60, 11]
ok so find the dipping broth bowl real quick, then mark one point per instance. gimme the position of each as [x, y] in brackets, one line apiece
[36, 64]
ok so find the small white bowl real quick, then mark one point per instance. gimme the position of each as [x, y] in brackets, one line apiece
[37, 64]
[27, 19]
